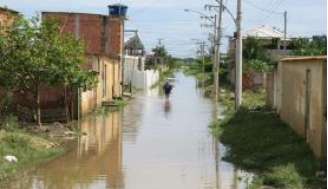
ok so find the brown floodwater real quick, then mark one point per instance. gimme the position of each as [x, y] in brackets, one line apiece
[150, 144]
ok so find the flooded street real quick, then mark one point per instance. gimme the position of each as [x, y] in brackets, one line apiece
[151, 144]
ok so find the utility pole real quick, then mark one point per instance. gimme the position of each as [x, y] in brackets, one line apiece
[215, 55]
[202, 45]
[285, 30]
[239, 58]
[218, 55]
[217, 44]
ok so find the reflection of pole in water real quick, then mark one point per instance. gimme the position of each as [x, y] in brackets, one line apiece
[216, 147]
[217, 164]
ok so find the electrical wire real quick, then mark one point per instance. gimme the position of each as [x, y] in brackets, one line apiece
[262, 9]
[278, 4]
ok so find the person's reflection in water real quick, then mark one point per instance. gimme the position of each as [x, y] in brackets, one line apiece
[167, 107]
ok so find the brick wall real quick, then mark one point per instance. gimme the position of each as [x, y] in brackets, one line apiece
[102, 35]
[7, 18]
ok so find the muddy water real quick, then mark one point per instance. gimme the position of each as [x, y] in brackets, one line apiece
[151, 144]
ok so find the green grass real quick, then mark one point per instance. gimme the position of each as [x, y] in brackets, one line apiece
[258, 141]
[29, 150]
[120, 102]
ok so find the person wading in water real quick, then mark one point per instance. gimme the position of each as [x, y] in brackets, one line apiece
[167, 88]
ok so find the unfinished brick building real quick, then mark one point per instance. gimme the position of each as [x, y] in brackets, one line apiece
[103, 37]
[7, 17]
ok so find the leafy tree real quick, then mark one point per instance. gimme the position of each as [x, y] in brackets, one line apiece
[67, 55]
[255, 56]
[23, 57]
[36, 54]
[310, 47]
[160, 51]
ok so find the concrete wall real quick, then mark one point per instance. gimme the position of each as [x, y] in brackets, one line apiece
[270, 89]
[108, 86]
[135, 74]
[298, 94]
[251, 80]
[132, 74]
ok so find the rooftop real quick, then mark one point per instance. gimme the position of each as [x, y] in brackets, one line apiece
[8, 10]
[62, 12]
[266, 32]
[134, 43]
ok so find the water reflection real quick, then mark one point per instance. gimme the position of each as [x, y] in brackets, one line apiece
[167, 107]
[150, 144]
[96, 162]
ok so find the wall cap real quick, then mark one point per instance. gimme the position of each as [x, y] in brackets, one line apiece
[304, 58]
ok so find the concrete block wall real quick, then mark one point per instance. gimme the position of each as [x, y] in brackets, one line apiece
[135, 74]
[300, 98]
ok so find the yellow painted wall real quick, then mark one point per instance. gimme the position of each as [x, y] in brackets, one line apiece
[292, 99]
[89, 98]
[116, 80]
[92, 99]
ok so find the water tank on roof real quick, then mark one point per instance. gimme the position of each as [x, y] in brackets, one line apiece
[118, 10]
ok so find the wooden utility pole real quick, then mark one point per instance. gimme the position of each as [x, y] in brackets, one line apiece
[239, 58]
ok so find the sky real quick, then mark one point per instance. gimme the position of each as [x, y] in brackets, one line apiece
[167, 20]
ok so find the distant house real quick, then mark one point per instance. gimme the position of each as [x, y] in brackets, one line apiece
[272, 40]
[134, 47]
[297, 89]
[135, 75]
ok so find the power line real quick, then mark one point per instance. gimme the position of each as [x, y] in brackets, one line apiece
[262, 9]
[278, 4]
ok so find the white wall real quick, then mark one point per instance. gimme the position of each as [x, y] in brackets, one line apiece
[137, 76]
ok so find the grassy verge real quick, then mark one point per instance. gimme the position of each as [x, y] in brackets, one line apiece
[260, 142]
[28, 148]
